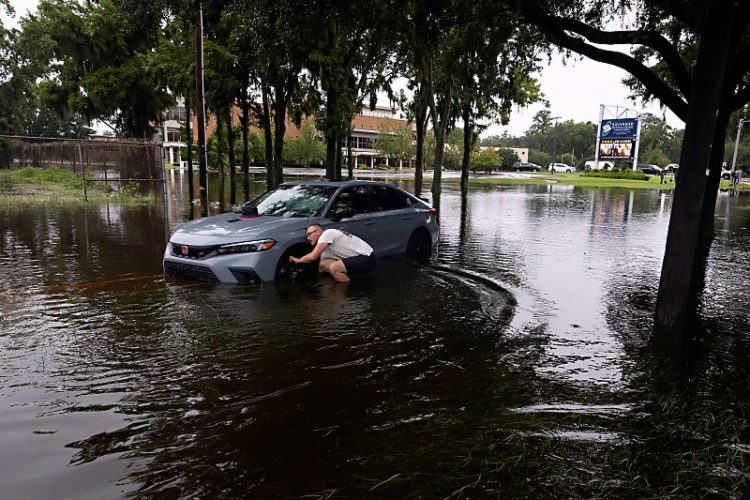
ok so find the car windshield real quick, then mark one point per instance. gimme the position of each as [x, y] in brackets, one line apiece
[294, 200]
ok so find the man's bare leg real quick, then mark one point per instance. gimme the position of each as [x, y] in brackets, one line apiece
[336, 269]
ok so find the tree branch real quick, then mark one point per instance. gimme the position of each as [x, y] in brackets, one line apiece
[658, 87]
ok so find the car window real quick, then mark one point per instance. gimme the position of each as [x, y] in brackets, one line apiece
[294, 200]
[354, 197]
[388, 198]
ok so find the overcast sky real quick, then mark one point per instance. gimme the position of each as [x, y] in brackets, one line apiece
[574, 91]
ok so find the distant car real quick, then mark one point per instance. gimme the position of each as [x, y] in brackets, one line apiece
[255, 245]
[560, 167]
[672, 167]
[649, 169]
[726, 174]
[522, 166]
[603, 165]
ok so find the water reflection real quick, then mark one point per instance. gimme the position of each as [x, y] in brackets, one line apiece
[416, 381]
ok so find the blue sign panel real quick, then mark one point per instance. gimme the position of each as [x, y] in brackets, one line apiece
[621, 127]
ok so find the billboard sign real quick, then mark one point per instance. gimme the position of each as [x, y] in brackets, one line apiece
[618, 128]
[616, 148]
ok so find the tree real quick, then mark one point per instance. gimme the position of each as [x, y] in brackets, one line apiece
[96, 63]
[396, 141]
[308, 147]
[507, 158]
[485, 160]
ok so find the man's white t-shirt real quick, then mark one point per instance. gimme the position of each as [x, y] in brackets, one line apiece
[342, 245]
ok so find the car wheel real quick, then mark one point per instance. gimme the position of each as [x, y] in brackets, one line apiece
[518, 170]
[288, 270]
[567, 171]
[419, 246]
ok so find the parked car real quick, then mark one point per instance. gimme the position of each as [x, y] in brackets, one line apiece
[649, 169]
[255, 245]
[672, 167]
[560, 167]
[603, 165]
[726, 174]
[522, 166]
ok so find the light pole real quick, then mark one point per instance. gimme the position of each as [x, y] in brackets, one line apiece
[737, 144]
[554, 140]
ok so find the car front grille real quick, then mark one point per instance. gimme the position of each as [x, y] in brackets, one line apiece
[190, 270]
[193, 252]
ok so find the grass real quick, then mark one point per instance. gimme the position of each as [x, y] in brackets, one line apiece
[55, 186]
[594, 180]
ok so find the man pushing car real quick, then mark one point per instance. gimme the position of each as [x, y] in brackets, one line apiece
[341, 254]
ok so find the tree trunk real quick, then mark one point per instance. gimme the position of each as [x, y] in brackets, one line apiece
[420, 118]
[189, 133]
[245, 123]
[466, 160]
[220, 154]
[675, 285]
[232, 176]
[278, 143]
[440, 126]
[268, 137]
[349, 159]
[706, 231]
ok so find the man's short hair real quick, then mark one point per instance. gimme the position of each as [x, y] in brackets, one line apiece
[316, 226]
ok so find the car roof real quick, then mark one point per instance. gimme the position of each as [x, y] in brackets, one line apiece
[326, 182]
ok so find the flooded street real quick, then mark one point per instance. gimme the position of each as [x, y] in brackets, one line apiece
[520, 365]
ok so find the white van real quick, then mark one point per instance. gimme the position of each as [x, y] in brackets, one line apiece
[603, 165]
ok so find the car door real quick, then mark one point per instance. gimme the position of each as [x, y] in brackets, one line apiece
[356, 202]
[395, 220]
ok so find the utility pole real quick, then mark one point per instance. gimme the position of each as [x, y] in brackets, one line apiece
[200, 109]
[554, 140]
[737, 144]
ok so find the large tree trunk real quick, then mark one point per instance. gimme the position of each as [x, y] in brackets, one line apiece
[440, 126]
[706, 231]
[675, 285]
[245, 123]
[278, 143]
[420, 119]
[232, 174]
[268, 139]
[466, 160]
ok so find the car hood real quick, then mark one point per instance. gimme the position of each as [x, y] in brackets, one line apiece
[230, 228]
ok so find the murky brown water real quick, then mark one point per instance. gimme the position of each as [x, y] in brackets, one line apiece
[418, 382]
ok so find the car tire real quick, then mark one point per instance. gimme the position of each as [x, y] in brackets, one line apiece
[567, 171]
[288, 270]
[419, 246]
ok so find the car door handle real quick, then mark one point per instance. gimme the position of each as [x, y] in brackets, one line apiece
[405, 217]
[369, 222]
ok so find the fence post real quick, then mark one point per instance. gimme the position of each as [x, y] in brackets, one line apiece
[83, 173]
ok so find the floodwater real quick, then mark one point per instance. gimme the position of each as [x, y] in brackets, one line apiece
[520, 365]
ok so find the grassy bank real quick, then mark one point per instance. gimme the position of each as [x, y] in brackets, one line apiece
[56, 186]
[577, 179]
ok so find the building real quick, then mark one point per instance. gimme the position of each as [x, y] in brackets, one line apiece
[365, 129]
[169, 132]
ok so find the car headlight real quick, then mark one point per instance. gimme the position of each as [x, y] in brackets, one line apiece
[246, 247]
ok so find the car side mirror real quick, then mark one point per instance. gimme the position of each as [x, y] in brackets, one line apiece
[248, 209]
[342, 213]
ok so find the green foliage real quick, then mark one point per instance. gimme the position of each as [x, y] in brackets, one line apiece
[306, 149]
[485, 160]
[395, 140]
[540, 157]
[507, 157]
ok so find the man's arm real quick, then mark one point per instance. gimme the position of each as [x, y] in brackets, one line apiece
[312, 256]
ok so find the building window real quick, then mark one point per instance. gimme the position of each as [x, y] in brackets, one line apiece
[178, 113]
[365, 142]
[173, 134]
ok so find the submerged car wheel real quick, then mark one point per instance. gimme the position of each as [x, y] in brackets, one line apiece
[419, 246]
[288, 270]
